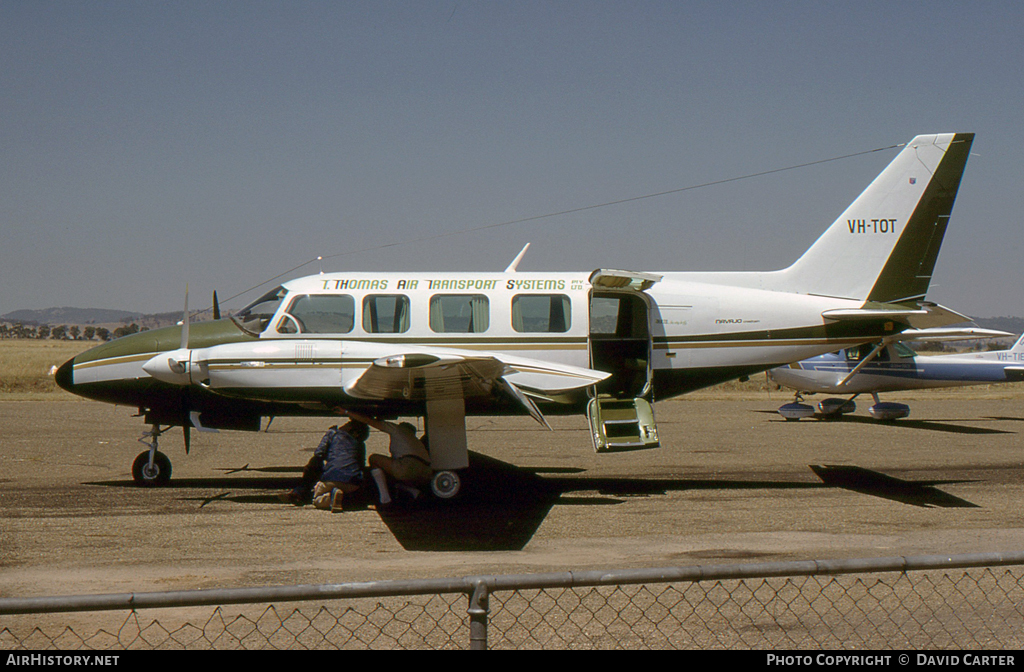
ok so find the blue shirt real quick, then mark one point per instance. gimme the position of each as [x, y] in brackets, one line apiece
[343, 456]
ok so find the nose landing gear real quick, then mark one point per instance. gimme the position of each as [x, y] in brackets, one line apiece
[151, 468]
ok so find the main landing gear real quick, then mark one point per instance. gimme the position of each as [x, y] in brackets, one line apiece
[445, 484]
[884, 411]
[796, 409]
[827, 408]
[151, 468]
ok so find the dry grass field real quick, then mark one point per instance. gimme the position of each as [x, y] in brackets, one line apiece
[26, 365]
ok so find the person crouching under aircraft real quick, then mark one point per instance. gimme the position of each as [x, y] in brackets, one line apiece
[336, 468]
[409, 463]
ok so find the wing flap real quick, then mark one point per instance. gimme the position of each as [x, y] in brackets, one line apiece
[421, 376]
[447, 375]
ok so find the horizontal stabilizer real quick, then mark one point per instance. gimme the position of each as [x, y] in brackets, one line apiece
[925, 316]
[949, 334]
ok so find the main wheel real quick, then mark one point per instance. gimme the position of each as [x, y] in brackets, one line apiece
[445, 484]
[159, 474]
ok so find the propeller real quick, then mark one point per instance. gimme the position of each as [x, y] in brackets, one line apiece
[184, 322]
[175, 367]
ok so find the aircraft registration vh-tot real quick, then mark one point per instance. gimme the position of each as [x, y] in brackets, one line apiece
[890, 366]
[441, 346]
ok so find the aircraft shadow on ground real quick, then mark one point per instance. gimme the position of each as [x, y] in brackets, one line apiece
[501, 506]
[931, 425]
[876, 484]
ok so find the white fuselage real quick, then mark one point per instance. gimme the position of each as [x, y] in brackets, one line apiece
[677, 326]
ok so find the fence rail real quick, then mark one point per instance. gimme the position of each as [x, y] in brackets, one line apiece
[900, 602]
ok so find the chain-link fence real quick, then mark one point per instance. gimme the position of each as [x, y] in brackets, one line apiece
[962, 602]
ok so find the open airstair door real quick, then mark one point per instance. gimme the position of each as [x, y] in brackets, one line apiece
[620, 412]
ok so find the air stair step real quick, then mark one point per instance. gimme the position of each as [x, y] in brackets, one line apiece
[622, 424]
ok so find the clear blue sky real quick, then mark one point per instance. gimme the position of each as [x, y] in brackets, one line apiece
[146, 145]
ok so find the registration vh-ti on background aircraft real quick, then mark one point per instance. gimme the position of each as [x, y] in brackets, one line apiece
[891, 366]
[442, 346]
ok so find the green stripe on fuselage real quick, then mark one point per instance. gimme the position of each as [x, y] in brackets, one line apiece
[201, 335]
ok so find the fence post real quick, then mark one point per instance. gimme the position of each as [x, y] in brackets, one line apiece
[478, 609]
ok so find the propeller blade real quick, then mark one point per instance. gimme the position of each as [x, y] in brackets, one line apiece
[216, 306]
[184, 322]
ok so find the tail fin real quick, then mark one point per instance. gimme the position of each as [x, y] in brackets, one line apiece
[1019, 345]
[884, 246]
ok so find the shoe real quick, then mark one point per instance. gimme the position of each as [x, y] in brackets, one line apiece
[291, 497]
[336, 497]
[413, 493]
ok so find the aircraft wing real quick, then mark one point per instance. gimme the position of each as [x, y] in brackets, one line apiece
[925, 316]
[449, 374]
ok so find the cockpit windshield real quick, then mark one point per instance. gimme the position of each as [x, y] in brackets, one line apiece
[255, 317]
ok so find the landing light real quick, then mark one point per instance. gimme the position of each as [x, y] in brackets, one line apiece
[406, 361]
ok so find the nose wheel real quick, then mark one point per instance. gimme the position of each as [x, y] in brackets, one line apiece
[151, 468]
[151, 475]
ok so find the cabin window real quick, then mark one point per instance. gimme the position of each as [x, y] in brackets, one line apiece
[459, 313]
[862, 351]
[386, 314]
[541, 313]
[318, 314]
[903, 350]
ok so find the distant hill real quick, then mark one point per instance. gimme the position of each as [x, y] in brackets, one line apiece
[1014, 325]
[69, 316]
[85, 316]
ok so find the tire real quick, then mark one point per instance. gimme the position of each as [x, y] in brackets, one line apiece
[445, 484]
[158, 476]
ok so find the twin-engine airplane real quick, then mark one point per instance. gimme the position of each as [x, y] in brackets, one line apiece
[446, 345]
[889, 366]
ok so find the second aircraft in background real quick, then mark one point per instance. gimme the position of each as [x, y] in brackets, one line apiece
[888, 366]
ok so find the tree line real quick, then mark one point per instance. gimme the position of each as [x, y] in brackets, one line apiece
[64, 332]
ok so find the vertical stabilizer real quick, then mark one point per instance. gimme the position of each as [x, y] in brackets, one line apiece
[884, 246]
[1019, 345]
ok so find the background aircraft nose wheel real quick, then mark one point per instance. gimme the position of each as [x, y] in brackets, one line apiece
[445, 484]
[151, 476]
